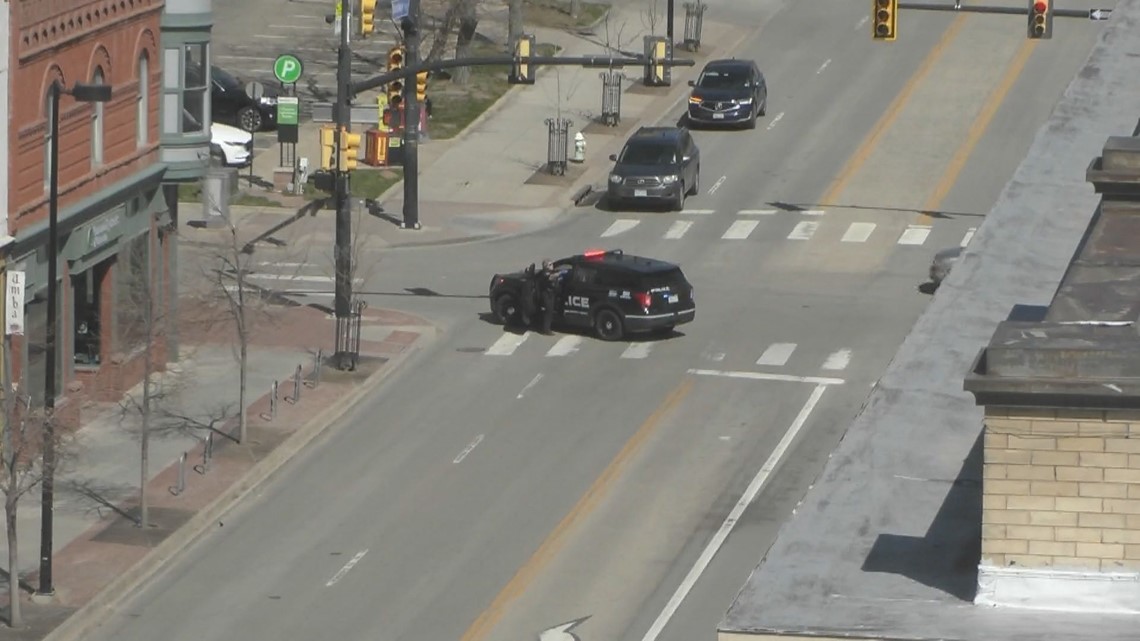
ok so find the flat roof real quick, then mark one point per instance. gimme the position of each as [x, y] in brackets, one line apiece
[886, 543]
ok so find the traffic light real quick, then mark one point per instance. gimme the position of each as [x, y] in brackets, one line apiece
[367, 16]
[886, 16]
[1040, 19]
[421, 86]
[395, 89]
[328, 147]
[522, 72]
[349, 150]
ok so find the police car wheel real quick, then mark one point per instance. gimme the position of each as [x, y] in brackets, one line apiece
[607, 324]
[506, 309]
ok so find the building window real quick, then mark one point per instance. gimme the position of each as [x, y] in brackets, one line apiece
[133, 296]
[97, 122]
[195, 96]
[47, 139]
[143, 109]
[87, 297]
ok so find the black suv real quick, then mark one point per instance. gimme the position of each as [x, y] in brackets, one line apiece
[728, 92]
[231, 105]
[657, 164]
[612, 292]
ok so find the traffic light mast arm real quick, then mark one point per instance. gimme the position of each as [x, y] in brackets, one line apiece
[605, 62]
[1011, 11]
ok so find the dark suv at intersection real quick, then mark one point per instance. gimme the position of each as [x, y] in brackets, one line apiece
[728, 92]
[657, 165]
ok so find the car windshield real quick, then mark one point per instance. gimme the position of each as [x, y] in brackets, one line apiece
[723, 78]
[648, 153]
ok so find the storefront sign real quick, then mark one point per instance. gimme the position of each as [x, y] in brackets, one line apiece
[102, 231]
[14, 304]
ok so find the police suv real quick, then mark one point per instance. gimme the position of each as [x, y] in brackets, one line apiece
[611, 292]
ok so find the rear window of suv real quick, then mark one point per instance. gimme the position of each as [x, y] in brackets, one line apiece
[674, 279]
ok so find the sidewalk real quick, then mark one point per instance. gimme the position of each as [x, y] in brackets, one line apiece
[100, 553]
[489, 180]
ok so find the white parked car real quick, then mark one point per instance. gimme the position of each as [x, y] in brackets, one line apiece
[232, 145]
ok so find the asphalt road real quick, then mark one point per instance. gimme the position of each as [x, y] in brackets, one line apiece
[501, 488]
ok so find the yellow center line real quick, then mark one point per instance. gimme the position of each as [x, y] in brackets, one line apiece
[585, 505]
[978, 129]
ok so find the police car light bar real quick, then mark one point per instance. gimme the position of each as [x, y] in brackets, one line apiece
[598, 253]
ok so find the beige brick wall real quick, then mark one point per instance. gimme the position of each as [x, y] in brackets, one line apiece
[1061, 489]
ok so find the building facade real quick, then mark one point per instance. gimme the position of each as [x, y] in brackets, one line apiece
[115, 231]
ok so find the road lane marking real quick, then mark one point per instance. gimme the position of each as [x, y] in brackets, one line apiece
[467, 450]
[340, 574]
[764, 376]
[697, 212]
[858, 233]
[775, 120]
[803, 230]
[978, 129]
[637, 350]
[914, 235]
[529, 571]
[561, 632]
[222, 57]
[534, 381]
[969, 236]
[863, 152]
[837, 360]
[620, 226]
[565, 346]
[717, 184]
[823, 66]
[507, 344]
[862, 21]
[678, 229]
[750, 494]
[811, 212]
[757, 212]
[777, 354]
[740, 229]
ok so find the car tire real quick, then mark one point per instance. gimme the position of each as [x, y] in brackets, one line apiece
[607, 325]
[751, 124]
[249, 119]
[506, 310]
[679, 202]
[764, 107]
[696, 183]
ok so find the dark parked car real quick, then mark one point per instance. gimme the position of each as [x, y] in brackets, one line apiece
[728, 92]
[231, 105]
[657, 164]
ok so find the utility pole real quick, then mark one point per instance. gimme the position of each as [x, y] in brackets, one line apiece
[411, 27]
[669, 28]
[342, 252]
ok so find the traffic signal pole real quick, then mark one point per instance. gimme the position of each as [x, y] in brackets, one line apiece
[1009, 11]
[342, 250]
[411, 27]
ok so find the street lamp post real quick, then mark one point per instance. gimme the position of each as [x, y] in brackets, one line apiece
[81, 93]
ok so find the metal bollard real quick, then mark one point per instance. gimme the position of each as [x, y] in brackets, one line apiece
[296, 385]
[207, 454]
[694, 23]
[558, 140]
[316, 377]
[181, 487]
[611, 97]
[273, 401]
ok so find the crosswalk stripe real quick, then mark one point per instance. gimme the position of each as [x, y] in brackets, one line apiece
[969, 236]
[740, 229]
[698, 212]
[565, 346]
[637, 350]
[838, 360]
[757, 212]
[507, 344]
[777, 354]
[803, 230]
[858, 232]
[812, 212]
[620, 226]
[914, 235]
[678, 229]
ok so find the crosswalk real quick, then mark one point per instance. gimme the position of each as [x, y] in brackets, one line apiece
[797, 226]
[309, 280]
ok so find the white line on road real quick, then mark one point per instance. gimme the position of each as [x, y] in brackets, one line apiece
[862, 22]
[678, 229]
[763, 376]
[271, 264]
[740, 229]
[803, 230]
[757, 212]
[721, 535]
[776, 120]
[507, 344]
[914, 235]
[717, 184]
[698, 212]
[823, 66]
[534, 381]
[777, 354]
[347, 566]
[637, 350]
[620, 226]
[467, 450]
[969, 236]
[812, 212]
[565, 346]
[838, 360]
[858, 233]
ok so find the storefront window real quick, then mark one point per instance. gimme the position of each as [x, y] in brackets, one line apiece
[195, 91]
[87, 294]
[132, 295]
[35, 342]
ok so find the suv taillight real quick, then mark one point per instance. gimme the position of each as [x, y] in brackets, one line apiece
[643, 299]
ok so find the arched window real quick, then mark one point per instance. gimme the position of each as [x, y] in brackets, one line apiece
[49, 117]
[143, 133]
[97, 78]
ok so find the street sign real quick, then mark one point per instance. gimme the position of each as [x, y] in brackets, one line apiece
[287, 68]
[400, 10]
[288, 108]
[255, 89]
[1100, 14]
[14, 305]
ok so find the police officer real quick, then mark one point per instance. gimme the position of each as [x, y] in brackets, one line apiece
[549, 284]
[529, 295]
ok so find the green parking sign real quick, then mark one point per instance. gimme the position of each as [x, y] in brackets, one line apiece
[287, 68]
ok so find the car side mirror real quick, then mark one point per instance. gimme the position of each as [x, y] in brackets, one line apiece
[613, 157]
[692, 83]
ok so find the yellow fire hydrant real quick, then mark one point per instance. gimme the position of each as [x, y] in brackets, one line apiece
[579, 148]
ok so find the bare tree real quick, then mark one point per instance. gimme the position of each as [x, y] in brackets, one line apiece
[468, 23]
[651, 16]
[234, 262]
[442, 34]
[615, 40]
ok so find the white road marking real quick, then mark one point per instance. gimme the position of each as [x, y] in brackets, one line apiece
[534, 381]
[717, 184]
[467, 450]
[969, 236]
[269, 264]
[242, 58]
[862, 22]
[757, 212]
[561, 632]
[812, 212]
[764, 376]
[775, 120]
[714, 356]
[740, 229]
[565, 346]
[777, 354]
[914, 235]
[803, 230]
[697, 212]
[823, 66]
[838, 360]
[637, 350]
[750, 494]
[620, 226]
[858, 232]
[507, 344]
[344, 570]
[678, 229]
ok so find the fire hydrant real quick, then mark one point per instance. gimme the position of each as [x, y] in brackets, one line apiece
[579, 148]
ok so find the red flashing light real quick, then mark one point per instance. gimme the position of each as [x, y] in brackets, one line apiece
[594, 253]
[643, 299]
[1040, 6]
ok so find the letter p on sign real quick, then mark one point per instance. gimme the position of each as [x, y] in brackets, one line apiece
[287, 69]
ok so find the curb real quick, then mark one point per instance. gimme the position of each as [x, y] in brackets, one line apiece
[95, 612]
